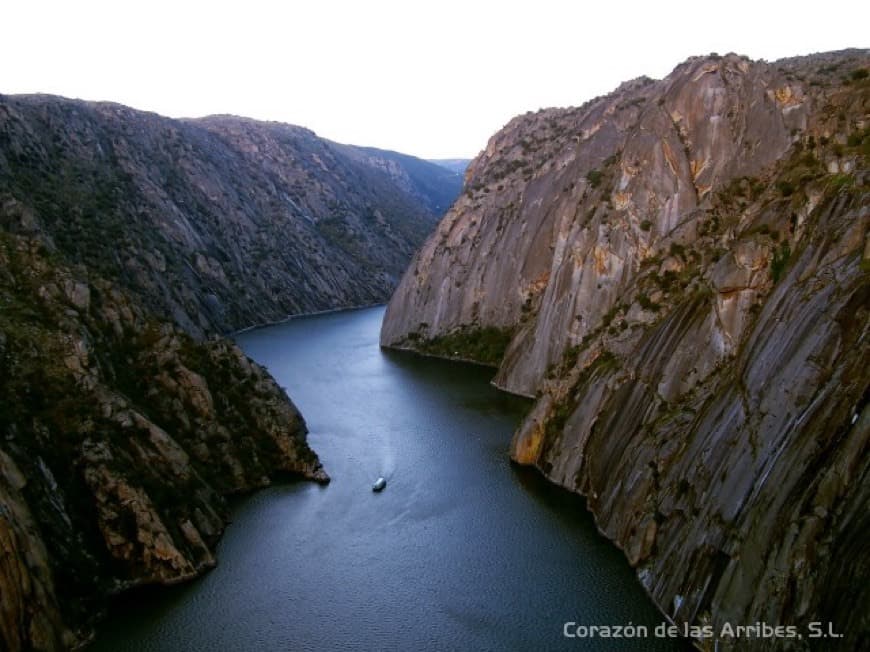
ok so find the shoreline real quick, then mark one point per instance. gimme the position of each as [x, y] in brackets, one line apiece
[301, 315]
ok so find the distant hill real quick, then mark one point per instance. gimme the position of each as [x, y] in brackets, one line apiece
[457, 165]
[434, 185]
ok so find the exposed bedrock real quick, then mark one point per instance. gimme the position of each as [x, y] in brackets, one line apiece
[679, 272]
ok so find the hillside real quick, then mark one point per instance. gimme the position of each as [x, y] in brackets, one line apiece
[678, 273]
[217, 223]
[435, 186]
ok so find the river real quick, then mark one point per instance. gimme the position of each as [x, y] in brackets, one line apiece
[461, 551]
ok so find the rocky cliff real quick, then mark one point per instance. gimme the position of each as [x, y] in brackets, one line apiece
[217, 223]
[121, 435]
[678, 272]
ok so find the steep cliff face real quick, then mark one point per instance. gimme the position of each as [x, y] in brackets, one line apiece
[678, 272]
[121, 435]
[218, 223]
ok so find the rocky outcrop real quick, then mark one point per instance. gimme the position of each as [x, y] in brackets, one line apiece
[217, 223]
[679, 274]
[121, 437]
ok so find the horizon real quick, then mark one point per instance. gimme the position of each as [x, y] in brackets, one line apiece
[409, 88]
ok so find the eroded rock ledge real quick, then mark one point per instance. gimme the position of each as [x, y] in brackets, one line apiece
[683, 268]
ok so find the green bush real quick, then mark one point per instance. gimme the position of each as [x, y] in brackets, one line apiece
[594, 177]
[779, 261]
[669, 280]
[841, 181]
[786, 189]
[646, 303]
[484, 345]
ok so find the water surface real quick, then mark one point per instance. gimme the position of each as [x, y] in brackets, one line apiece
[462, 551]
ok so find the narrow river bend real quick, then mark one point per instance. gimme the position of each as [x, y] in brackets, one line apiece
[462, 551]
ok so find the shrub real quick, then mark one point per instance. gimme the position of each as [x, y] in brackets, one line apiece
[786, 189]
[841, 181]
[646, 303]
[485, 345]
[779, 261]
[668, 280]
[594, 178]
[569, 358]
[809, 160]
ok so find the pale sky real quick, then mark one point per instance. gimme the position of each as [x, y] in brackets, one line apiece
[433, 79]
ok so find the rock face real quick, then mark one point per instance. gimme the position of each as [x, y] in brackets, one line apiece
[678, 272]
[217, 223]
[121, 435]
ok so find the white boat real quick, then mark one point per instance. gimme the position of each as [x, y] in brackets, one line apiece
[379, 484]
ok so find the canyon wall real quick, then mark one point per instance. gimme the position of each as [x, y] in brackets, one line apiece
[678, 273]
[216, 223]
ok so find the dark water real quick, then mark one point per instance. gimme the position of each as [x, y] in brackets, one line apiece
[462, 551]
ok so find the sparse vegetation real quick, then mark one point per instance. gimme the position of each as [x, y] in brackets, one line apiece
[485, 345]
[839, 181]
[785, 188]
[646, 303]
[779, 261]
[594, 177]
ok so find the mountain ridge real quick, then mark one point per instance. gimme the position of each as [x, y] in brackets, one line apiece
[457, 165]
[209, 202]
